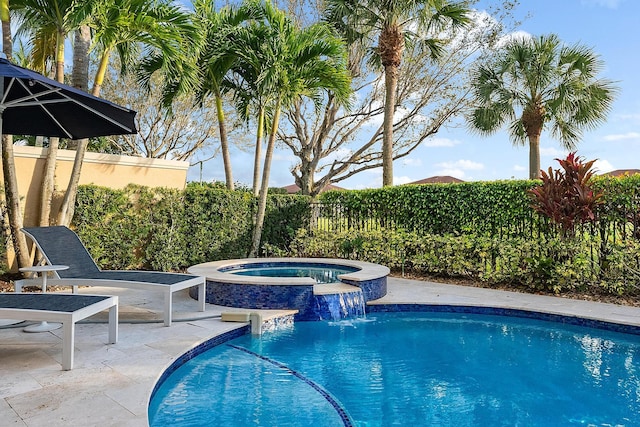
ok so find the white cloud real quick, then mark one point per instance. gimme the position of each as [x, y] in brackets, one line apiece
[441, 142]
[622, 136]
[481, 21]
[602, 166]
[456, 173]
[516, 35]
[553, 152]
[519, 168]
[461, 165]
[458, 168]
[341, 154]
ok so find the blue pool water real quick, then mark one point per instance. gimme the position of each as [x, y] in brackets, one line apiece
[321, 274]
[410, 369]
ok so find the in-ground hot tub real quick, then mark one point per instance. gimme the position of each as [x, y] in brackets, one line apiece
[285, 283]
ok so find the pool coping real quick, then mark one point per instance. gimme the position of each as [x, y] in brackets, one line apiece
[368, 271]
[566, 319]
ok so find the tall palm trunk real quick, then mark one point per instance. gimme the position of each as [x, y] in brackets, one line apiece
[258, 153]
[391, 84]
[80, 70]
[7, 43]
[224, 144]
[533, 123]
[264, 188]
[80, 77]
[48, 178]
[101, 72]
[11, 193]
[391, 47]
[534, 156]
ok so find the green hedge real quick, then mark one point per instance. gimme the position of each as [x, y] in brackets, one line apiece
[476, 207]
[484, 231]
[556, 264]
[161, 229]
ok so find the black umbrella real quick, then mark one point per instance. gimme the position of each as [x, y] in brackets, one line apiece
[32, 104]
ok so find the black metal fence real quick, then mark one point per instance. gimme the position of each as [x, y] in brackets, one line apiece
[610, 244]
[611, 222]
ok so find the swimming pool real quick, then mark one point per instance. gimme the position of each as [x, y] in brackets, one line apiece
[418, 369]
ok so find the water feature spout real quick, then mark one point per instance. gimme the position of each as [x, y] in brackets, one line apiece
[340, 306]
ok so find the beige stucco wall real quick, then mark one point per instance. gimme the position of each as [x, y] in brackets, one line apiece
[106, 170]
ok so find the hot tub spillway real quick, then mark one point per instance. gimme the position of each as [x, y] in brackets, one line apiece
[338, 304]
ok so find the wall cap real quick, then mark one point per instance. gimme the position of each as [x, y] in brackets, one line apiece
[102, 158]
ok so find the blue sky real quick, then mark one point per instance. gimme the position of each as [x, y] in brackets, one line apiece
[610, 27]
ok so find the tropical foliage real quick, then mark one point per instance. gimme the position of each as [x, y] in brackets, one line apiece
[566, 195]
[298, 63]
[539, 83]
[160, 135]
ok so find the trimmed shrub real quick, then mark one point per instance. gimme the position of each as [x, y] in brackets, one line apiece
[162, 229]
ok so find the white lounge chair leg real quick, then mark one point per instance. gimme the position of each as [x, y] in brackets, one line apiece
[68, 344]
[17, 285]
[113, 324]
[168, 300]
[201, 295]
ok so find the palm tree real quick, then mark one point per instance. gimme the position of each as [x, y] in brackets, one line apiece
[249, 92]
[536, 83]
[11, 192]
[299, 63]
[138, 28]
[44, 19]
[125, 27]
[393, 23]
[79, 80]
[7, 43]
[217, 57]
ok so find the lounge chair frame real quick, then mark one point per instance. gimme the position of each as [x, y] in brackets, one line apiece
[83, 270]
[78, 307]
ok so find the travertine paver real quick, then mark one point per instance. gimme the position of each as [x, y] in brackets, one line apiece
[110, 384]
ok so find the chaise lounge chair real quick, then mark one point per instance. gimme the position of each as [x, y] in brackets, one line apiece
[64, 308]
[59, 245]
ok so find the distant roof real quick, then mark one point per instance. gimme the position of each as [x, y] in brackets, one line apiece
[437, 180]
[293, 189]
[622, 172]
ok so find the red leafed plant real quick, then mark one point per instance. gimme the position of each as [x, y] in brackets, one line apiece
[565, 195]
